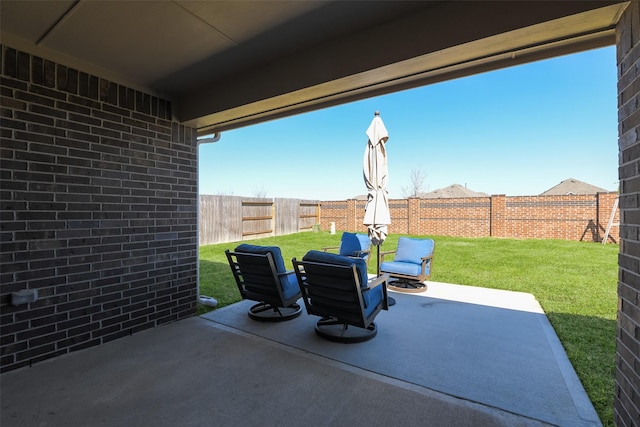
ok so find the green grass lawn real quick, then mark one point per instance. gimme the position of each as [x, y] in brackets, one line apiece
[575, 282]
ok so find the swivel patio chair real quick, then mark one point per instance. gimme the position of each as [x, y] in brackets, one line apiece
[337, 289]
[411, 265]
[353, 245]
[261, 276]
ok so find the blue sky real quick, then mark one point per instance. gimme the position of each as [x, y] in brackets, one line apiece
[516, 131]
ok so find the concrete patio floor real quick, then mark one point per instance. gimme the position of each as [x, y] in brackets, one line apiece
[452, 356]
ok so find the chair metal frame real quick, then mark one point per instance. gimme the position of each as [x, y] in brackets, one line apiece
[335, 324]
[408, 283]
[358, 254]
[262, 283]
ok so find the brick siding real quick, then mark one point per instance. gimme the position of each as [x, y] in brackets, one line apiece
[627, 392]
[99, 210]
[573, 217]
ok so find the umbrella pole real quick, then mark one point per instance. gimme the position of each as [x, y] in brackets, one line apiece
[390, 301]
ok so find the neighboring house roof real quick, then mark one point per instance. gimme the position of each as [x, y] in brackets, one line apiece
[566, 187]
[452, 191]
[573, 186]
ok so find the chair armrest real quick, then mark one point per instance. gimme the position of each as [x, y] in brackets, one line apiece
[377, 281]
[382, 255]
[286, 273]
[362, 252]
[426, 260]
[330, 248]
[365, 253]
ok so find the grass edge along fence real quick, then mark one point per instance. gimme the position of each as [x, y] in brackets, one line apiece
[575, 283]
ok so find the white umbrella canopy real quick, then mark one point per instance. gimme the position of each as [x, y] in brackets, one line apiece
[376, 174]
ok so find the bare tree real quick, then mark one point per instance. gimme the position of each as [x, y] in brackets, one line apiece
[260, 192]
[418, 178]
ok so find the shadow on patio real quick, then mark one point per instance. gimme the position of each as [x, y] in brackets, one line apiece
[454, 355]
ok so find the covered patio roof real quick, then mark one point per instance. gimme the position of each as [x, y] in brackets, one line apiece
[227, 64]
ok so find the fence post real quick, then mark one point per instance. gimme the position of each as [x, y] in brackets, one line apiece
[498, 214]
[352, 218]
[413, 216]
[608, 213]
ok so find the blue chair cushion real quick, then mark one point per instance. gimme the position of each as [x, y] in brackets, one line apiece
[365, 244]
[275, 252]
[405, 268]
[288, 281]
[369, 297]
[365, 241]
[329, 258]
[372, 297]
[412, 250]
[352, 243]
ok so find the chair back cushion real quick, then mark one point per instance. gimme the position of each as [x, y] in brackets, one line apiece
[275, 252]
[329, 258]
[331, 291]
[352, 243]
[288, 282]
[412, 250]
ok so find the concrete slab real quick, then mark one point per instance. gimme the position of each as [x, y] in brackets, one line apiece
[436, 361]
[197, 373]
[487, 346]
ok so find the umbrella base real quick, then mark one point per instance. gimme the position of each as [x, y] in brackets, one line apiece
[407, 286]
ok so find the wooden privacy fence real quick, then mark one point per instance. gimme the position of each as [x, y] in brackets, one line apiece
[235, 218]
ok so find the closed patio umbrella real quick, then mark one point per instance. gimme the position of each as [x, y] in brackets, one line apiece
[376, 174]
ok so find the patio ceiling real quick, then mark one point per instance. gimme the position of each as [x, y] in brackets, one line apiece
[227, 64]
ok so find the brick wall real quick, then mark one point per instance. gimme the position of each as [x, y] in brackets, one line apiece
[456, 217]
[99, 210]
[627, 392]
[578, 217]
